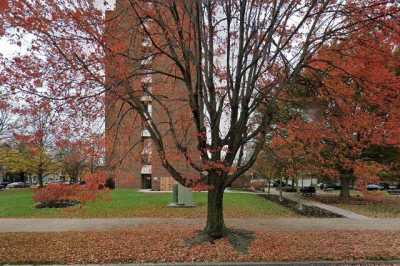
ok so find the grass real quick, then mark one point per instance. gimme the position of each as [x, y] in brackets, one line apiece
[130, 203]
[389, 208]
[386, 207]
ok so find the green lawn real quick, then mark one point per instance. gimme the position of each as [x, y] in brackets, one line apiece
[386, 207]
[389, 208]
[131, 203]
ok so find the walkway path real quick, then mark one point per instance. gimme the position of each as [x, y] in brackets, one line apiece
[309, 202]
[258, 224]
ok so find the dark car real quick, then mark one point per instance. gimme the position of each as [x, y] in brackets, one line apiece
[3, 185]
[277, 183]
[308, 191]
[385, 186]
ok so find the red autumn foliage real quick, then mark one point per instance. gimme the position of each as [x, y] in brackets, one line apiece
[357, 103]
[95, 181]
[257, 184]
[93, 187]
[54, 193]
[200, 187]
[296, 149]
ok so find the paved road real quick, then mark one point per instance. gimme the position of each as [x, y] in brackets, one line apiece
[281, 224]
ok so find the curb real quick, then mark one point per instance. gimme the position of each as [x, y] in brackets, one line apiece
[312, 263]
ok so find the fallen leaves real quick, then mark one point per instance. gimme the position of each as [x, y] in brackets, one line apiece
[167, 244]
[386, 207]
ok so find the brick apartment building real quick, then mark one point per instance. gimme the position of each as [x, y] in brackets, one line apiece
[131, 156]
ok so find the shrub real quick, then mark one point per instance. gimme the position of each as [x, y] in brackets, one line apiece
[62, 195]
[110, 183]
[95, 181]
[257, 184]
[57, 195]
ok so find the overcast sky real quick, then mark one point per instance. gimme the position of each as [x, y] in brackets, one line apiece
[101, 4]
[10, 50]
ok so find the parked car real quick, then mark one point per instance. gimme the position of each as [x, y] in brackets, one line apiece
[17, 185]
[277, 183]
[308, 191]
[3, 185]
[372, 187]
[385, 186]
[330, 186]
[55, 182]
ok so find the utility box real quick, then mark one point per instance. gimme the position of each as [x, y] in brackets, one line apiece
[174, 194]
[185, 195]
[182, 197]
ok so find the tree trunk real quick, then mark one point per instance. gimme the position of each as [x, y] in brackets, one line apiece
[215, 227]
[280, 189]
[40, 180]
[345, 190]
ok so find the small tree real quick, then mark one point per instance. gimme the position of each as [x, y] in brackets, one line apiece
[266, 167]
[73, 159]
[23, 158]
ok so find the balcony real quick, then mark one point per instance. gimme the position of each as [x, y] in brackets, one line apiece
[146, 133]
[147, 62]
[147, 88]
[146, 159]
[145, 98]
[146, 169]
[147, 79]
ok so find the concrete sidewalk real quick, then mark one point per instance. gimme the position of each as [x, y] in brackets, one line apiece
[257, 224]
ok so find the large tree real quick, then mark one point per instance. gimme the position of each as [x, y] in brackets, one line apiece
[358, 91]
[230, 58]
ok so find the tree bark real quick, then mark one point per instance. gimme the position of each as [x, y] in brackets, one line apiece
[280, 189]
[345, 190]
[40, 180]
[215, 227]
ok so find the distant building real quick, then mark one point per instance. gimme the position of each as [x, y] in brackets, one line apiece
[130, 152]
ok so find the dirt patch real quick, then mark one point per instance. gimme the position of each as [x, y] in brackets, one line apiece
[308, 211]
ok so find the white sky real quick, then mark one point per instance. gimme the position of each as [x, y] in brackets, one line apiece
[104, 4]
[10, 50]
